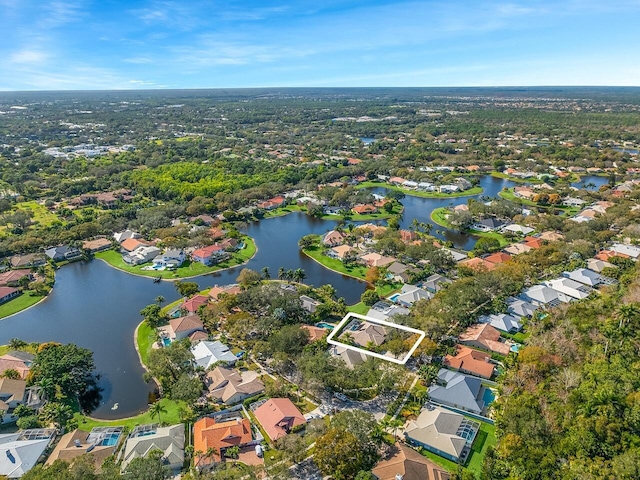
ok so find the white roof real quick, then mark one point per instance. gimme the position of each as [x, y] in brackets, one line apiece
[585, 276]
[206, 353]
[502, 321]
[630, 250]
[438, 428]
[515, 228]
[19, 456]
[569, 287]
[543, 295]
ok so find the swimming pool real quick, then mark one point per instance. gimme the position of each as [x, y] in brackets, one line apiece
[110, 440]
[166, 341]
[394, 297]
[324, 325]
[488, 397]
[515, 347]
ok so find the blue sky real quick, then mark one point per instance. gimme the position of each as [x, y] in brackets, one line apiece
[114, 44]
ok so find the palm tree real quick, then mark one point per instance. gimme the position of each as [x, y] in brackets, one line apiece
[627, 313]
[281, 273]
[17, 344]
[157, 409]
[159, 300]
[298, 275]
[265, 273]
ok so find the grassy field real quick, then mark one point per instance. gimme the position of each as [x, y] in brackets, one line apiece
[189, 269]
[416, 193]
[515, 179]
[566, 211]
[356, 271]
[6, 348]
[19, 303]
[146, 337]
[503, 241]
[171, 417]
[438, 216]
[486, 437]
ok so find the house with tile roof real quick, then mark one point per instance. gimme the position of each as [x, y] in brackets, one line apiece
[485, 337]
[146, 438]
[278, 416]
[182, 327]
[11, 278]
[339, 252]
[206, 353]
[315, 333]
[210, 433]
[443, 432]
[376, 260]
[12, 362]
[192, 304]
[333, 238]
[473, 362]
[403, 462]
[570, 288]
[229, 386]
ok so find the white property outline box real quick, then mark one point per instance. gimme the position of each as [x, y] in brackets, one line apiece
[350, 315]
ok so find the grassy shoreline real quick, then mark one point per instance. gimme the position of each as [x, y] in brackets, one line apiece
[188, 270]
[414, 193]
[281, 212]
[438, 216]
[19, 304]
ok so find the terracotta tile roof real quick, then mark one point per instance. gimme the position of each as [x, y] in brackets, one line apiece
[498, 257]
[278, 416]
[207, 433]
[194, 303]
[183, 324]
[404, 461]
[315, 333]
[13, 276]
[471, 361]
[477, 263]
[483, 335]
[130, 244]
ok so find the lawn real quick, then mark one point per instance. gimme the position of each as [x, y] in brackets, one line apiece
[486, 437]
[146, 337]
[19, 303]
[171, 417]
[6, 348]
[356, 271]
[509, 195]
[359, 307]
[415, 193]
[438, 216]
[503, 241]
[188, 269]
[515, 179]
[41, 214]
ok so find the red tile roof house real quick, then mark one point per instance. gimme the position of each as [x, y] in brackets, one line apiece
[209, 255]
[182, 327]
[468, 360]
[194, 303]
[364, 209]
[484, 336]
[208, 433]
[13, 277]
[278, 416]
[7, 293]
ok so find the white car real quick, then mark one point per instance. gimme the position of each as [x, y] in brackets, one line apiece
[340, 396]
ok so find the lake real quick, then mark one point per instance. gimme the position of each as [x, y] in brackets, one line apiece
[97, 307]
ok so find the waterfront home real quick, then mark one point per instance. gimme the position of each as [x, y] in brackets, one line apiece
[146, 438]
[172, 257]
[364, 209]
[333, 238]
[141, 255]
[426, 186]
[206, 353]
[216, 291]
[278, 416]
[443, 432]
[62, 252]
[7, 293]
[22, 450]
[12, 278]
[97, 445]
[403, 462]
[448, 188]
[487, 224]
[524, 192]
[229, 386]
[209, 255]
[339, 252]
[211, 437]
[459, 391]
[193, 304]
[570, 288]
[518, 229]
[396, 181]
[181, 327]
[96, 245]
[502, 321]
[473, 362]
[376, 260]
[16, 360]
[455, 255]
[27, 261]
[485, 337]
[385, 311]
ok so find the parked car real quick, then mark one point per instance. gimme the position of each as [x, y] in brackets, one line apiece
[340, 396]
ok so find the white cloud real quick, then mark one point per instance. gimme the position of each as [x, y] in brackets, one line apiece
[28, 56]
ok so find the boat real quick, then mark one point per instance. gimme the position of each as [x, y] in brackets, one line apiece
[157, 279]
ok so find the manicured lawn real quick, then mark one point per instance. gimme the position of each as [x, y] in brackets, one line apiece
[503, 241]
[279, 212]
[171, 417]
[41, 214]
[515, 179]
[415, 193]
[146, 337]
[188, 269]
[486, 437]
[357, 271]
[509, 195]
[5, 348]
[19, 303]
[438, 216]
[359, 307]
